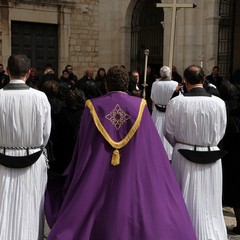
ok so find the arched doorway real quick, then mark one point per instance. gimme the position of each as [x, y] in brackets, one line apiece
[236, 44]
[147, 33]
[229, 37]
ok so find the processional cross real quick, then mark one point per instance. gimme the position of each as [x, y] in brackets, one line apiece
[175, 6]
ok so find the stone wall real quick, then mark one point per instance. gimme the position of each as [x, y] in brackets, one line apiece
[78, 29]
[97, 33]
[84, 36]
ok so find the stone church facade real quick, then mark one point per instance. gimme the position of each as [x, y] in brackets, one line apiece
[102, 33]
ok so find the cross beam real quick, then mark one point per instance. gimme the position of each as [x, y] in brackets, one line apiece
[175, 6]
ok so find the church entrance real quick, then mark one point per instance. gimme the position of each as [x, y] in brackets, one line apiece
[229, 38]
[236, 45]
[38, 41]
[147, 33]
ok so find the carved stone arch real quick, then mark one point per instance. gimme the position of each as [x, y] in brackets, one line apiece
[146, 33]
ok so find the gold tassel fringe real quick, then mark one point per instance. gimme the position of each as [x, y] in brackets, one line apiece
[115, 158]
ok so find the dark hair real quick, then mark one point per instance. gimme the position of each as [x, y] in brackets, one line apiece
[99, 70]
[90, 89]
[49, 65]
[215, 67]
[64, 71]
[51, 88]
[75, 99]
[117, 79]
[68, 66]
[194, 74]
[18, 65]
[228, 91]
[134, 71]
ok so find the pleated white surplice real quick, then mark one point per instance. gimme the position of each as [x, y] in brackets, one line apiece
[21, 202]
[161, 93]
[198, 121]
[24, 122]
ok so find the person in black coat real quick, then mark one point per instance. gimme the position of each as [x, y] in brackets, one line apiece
[150, 79]
[134, 88]
[214, 77]
[72, 78]
[33, 79]
[4, 78]
[230, 143]
[48, 74]
[175, 75]
[100, 80]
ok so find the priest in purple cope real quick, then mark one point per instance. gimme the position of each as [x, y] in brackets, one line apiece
[120, 184]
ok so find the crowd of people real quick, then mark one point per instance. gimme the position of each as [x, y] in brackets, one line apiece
[92, 155]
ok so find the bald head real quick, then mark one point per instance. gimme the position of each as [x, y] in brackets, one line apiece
[194, 75]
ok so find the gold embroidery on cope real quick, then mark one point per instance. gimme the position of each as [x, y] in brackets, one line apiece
[115, 161]
[117, 117]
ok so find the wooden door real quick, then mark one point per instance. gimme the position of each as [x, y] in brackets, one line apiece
[38, 41]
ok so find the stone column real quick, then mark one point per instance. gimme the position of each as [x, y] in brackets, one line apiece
[211, 26]
[5, 37]
[64, 36]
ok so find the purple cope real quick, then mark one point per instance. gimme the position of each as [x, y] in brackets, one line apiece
[138, 199]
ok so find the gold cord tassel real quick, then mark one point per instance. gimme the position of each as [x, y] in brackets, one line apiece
[115, 158]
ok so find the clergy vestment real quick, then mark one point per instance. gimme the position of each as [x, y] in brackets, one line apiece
[25, 122]
[120, 184]
[162, 91]
[198, 120]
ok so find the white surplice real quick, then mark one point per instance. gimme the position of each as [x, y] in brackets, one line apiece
[25, 121]
[198, 121]
[162, 91]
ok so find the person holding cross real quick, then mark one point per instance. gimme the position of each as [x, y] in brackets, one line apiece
[175, 7]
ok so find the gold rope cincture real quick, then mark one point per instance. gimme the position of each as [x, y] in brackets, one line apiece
[116, 145]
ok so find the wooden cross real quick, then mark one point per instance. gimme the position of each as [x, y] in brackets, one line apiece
[175, 6]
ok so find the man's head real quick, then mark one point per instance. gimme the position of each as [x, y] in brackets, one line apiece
[89, 73]
[117, 79]
[165, 72]
[215, 70]
[174, 68]
[69, 68]
[18, 66]
[135, 75]
[194, 75]
[65, 73]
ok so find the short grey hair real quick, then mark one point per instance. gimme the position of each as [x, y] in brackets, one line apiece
[165, 71]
